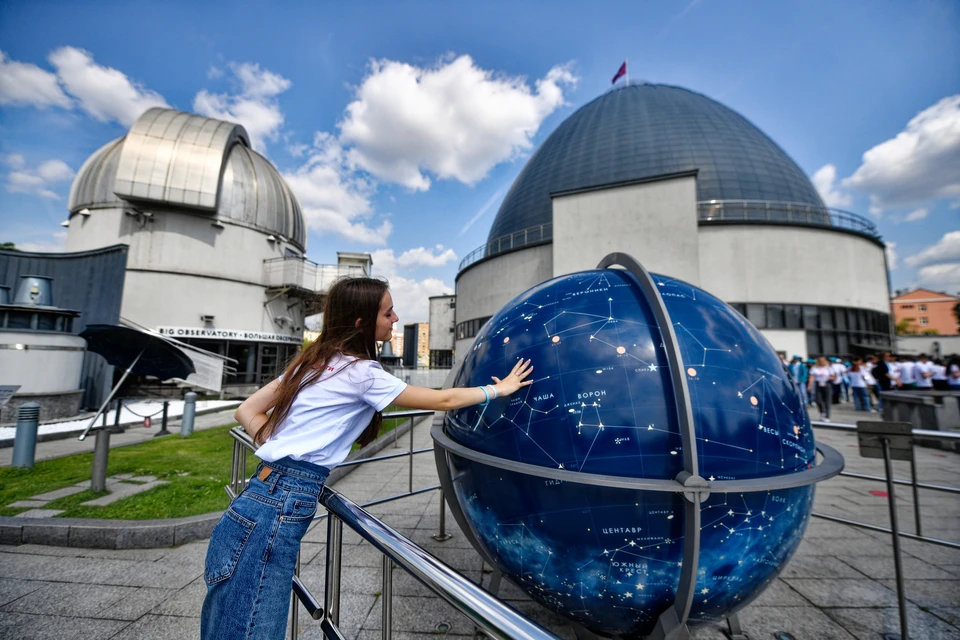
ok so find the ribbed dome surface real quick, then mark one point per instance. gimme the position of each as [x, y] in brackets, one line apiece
[646, 130]
[186, 161]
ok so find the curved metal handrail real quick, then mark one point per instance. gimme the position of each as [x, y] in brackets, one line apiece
[529, 236]
[784, 213]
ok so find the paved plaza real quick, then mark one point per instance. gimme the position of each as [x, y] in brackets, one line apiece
[839, 585]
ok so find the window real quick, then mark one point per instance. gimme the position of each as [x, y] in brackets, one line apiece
[907, 306]
[793, 316]
[775, 316]
[923, 307]
[757, 315]
[923, 320]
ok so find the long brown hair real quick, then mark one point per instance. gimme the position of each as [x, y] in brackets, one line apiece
[347, 300]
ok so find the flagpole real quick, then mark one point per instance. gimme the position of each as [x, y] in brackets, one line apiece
[626, 66]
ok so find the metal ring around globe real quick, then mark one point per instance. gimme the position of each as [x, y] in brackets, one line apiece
[830, 465]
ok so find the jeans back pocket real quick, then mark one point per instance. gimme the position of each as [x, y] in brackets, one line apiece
[227, 541]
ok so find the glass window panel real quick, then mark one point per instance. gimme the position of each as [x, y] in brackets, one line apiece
[775, 316]
[843, 344]
[19, 320]
[826, 317]
[841, 318]
[851, 318]
[793, 318]
[813, 344]
[46, 322]
[756, 315]
[811, 317]
[741, 308]
[829, 343]
[862, 320]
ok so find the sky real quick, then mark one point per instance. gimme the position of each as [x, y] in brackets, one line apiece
[400, 126]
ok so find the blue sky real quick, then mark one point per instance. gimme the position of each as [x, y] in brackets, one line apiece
[864, 96]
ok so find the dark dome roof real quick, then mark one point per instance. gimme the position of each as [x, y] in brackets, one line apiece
[646, 130]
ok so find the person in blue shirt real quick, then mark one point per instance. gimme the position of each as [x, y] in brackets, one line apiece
[799, 371]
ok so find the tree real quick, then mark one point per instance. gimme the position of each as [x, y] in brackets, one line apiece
[930, 332]
[905, 327]
[9, 246]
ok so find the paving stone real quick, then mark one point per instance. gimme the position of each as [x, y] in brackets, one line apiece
[843, 592]
[60, 493]
[950, 615]
[421, 615]
[185, 602]
[10, 590]
[799, 622]
[929, 593]
[871, 623]
[24, 626]
[143, 478]
[120, 491]
[365, 580]
[40, 513]
[154, 627]
[28, 504]
[779, 594]
[880, 567]
[139, 601]
[80, 600]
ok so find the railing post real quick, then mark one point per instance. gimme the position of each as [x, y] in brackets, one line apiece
[442, 535]
[331, 597]
[295, 606]
[895, 531]
[916, 490]
[386, 621]
[410, 459]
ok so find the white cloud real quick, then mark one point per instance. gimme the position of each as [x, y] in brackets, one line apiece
[891, 255]
[39, 181]
[14, 160]
[335, 200]
[825, 181]
[23, 84]
[916, 166]
[454, 120]
[940, 277]
[255, 105]
[917, 214]
[946, 250]
[421, 257]
[56, 242]
[103, 92]
[410, 296]
[214, 72]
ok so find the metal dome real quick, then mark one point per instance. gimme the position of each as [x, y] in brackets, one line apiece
[189, 162]
[646, 130]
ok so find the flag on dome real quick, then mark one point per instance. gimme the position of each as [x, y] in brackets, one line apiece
[622, 71]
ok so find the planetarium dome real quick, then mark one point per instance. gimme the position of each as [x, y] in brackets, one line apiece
[190, 163]
[645, 130]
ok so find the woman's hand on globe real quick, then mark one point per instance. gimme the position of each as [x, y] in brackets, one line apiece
[515, 379]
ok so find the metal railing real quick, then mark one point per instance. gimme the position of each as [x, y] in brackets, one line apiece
[488, 613]
[785, 213]
[522, 238]
[889, 441]
[293, 271]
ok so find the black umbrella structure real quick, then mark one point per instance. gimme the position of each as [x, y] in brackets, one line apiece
[136, 351]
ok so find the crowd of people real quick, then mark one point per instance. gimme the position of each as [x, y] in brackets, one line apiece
[828, 381]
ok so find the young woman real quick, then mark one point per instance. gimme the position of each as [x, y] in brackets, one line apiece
[330, 396]
[821, 383]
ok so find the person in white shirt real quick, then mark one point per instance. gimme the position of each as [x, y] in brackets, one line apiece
[924, 371]
[821, 377]
[908, 377]
[858, 385]
[940, 375]
[873, 387]
[329, 397]
[838, 370]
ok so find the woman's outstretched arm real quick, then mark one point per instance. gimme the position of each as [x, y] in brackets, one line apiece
[448, 399]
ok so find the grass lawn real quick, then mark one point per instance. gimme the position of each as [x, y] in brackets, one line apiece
[196, 469]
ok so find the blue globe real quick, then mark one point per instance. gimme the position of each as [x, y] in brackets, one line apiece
[606, 557]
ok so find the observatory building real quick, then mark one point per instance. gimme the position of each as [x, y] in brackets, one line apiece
[216, 239]
[693, 191]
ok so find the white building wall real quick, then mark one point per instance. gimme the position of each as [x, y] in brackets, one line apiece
[53, 369]
[793, 341]
[485, 287]
[442, 313]
[655, 222]
[796, 265]
[180, 267]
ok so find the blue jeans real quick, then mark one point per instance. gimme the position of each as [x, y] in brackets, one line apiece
[861, 398]
[253, 552]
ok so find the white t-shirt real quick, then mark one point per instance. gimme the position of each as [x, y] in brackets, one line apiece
[838, 369]
[921, 368]
[328, 416]
[907, 372]
[939, 372]
[821, 375]
[857, 378]
[868, 374]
